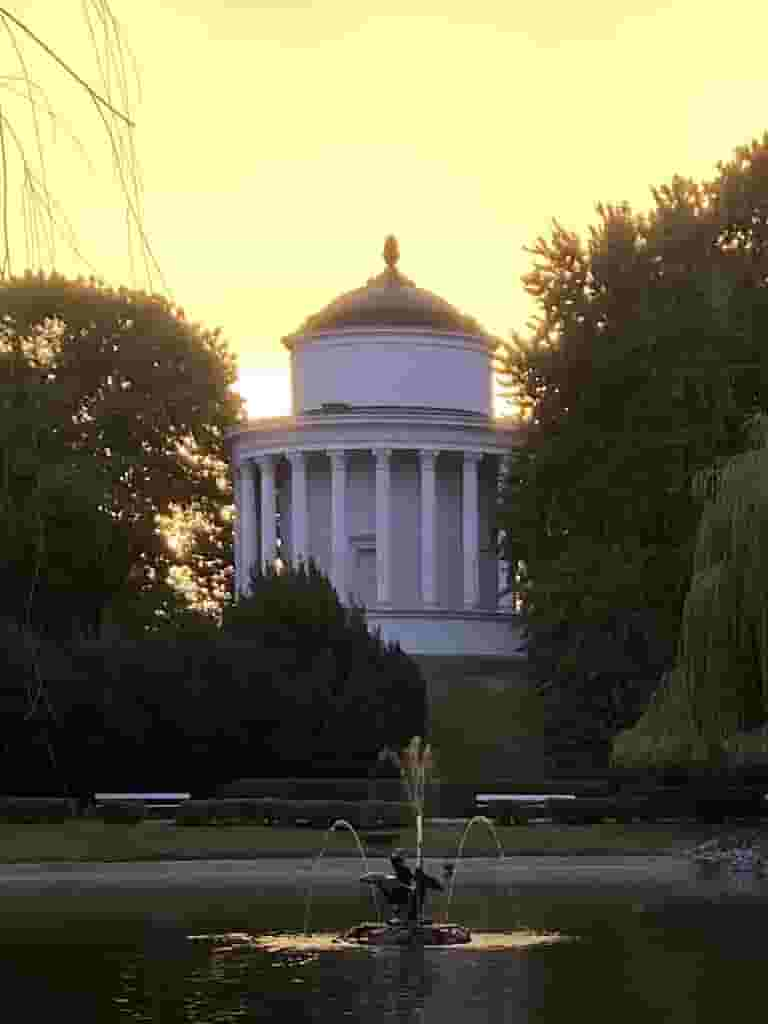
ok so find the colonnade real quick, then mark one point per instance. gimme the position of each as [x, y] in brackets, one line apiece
[247, 534]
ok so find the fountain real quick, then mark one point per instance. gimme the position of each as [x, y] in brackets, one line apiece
[337, 824]
[492, 829]
[406, 890]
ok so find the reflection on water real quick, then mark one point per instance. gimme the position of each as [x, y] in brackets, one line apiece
[645, 952]
[298, 943]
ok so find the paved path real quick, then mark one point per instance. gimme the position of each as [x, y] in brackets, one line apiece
[212, 874]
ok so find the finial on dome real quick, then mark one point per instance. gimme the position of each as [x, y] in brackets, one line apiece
[391, 251]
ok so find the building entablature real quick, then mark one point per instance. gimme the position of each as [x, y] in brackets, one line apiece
[405, 430]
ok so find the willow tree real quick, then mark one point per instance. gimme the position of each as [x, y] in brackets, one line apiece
[718, 688]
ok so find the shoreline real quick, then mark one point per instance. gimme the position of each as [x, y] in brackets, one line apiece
[239, 855]
[94, 843]
[284, 871]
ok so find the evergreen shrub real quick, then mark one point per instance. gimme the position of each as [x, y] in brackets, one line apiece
[195, 812]
[122, 813]
[296, 789]
[36, 810]
[275, 811]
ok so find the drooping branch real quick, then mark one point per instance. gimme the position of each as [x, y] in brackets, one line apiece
[719, 686]
[36, 195]
[97, 98]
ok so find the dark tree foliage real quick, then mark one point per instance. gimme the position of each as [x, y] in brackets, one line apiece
[641, 368]
[347, 674]
[285, 686]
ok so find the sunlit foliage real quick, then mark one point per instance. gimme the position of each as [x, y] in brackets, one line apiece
[140, 395]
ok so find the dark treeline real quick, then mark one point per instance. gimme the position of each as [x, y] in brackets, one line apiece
[290, 684]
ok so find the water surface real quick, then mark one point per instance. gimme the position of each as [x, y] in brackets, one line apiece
[678, 944]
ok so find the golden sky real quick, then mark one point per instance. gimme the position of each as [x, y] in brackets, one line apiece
[280, 142]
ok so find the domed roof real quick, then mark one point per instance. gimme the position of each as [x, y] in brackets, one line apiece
[390, 300]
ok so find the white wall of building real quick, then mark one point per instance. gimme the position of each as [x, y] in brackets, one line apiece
[481, 634]
[385, 366]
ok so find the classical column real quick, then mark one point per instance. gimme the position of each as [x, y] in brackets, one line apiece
[247, 535]
[427, 459]
[338, 522]
[470, 536]
[237, 525]
[268, 510]
[383, 526]
[299, 522]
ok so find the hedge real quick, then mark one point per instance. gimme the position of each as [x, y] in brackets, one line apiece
[710, 806]
[37, 810]
[319, 813]
[296, 789]
[122, 813]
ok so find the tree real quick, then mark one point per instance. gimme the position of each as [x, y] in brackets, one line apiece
[719, 685]
[347, 692]
[51, 491]
[58, 545]
[638, 373]
[141, 397]
[295, 607]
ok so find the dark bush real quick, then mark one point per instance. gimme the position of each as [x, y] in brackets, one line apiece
[122, 813]
[195, 812]
[275, 811]
[517, 812]
[296, 789]
[595, 678]
[393, 789]
[714, 807]
[321, 813]
[457, 799]
[387, 814]
[312, 691]
[582, 810]
[37, 810]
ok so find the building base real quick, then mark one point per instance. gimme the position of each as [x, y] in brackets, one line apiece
[450, 632]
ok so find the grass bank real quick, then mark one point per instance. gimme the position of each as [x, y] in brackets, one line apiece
[87, 840]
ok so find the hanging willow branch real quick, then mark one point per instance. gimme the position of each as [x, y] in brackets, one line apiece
[719, 687]
[40, 212]
[43, 220]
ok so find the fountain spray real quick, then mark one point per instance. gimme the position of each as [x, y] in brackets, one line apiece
[415, 764]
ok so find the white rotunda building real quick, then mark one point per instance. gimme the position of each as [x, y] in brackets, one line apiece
[387, 470]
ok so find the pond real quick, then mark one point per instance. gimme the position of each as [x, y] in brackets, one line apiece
[645, 940]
